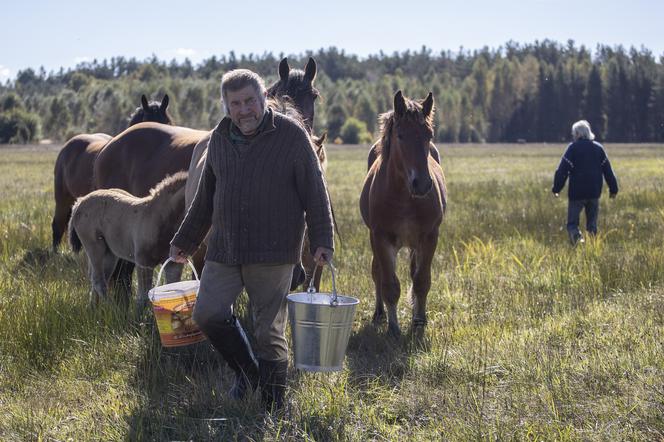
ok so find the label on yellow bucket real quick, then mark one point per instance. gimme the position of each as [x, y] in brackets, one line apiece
[175, 322]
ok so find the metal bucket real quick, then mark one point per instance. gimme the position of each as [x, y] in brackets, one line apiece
[321, 324]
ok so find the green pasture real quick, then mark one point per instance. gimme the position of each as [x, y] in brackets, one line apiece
[528, 338]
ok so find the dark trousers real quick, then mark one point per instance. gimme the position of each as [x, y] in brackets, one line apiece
[267, 286]
[574, 208]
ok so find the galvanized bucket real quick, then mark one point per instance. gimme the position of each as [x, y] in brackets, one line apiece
[321, 324]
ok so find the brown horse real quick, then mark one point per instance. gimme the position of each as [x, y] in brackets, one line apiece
[112, 224]
[74, 165]
[403, 202]
[293, 94]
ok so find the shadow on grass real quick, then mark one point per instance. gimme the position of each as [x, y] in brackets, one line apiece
[373, 353]
[34, 258]
[185, 396]
[37, 259]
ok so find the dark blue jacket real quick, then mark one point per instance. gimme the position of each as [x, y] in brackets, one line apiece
[585, 162]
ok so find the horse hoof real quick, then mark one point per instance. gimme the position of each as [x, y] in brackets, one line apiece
[378, 319]
[418, 333]
[419, 323]
[394, 331]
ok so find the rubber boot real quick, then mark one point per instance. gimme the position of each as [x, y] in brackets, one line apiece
[231, 342]
[273, 375]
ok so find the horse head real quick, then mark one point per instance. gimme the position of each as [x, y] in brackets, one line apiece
[298, 86]
[152, 111]
[409, 138]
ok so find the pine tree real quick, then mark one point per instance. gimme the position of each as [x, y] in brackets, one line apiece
[593, 105]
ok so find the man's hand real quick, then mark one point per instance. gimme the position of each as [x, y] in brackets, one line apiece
[613, 195]
[178, 255]
[323, 255]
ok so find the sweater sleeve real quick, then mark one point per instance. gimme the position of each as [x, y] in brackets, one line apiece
[312, 190]
[609, 176]
[198, 219]
[563, 171]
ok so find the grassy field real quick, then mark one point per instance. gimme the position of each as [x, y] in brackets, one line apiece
[528, 338]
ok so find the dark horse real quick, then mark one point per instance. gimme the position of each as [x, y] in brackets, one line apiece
[141, 156]
[403, 202]
[74, 165]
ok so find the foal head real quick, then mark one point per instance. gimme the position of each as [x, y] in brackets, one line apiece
[152, 111]
[407, 132]
[298, 86]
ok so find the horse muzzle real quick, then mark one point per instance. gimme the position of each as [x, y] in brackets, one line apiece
[420, 188]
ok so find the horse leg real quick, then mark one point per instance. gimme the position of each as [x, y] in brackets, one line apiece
[61, 217]
[110, 262]
[122, 277]
[420, 273]
[144, 276]
[96, 258]
[173, 272]
[390, 290]
[379, 311]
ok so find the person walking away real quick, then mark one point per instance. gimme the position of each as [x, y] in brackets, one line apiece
[585, 163]
[261, 182]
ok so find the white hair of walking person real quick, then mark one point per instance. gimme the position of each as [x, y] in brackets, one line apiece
[581, 130]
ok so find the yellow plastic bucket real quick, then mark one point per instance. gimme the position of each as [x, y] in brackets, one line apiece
[173, 307]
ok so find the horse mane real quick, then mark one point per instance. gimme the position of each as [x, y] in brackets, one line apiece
[286, 106]
[413, 113]
[169, 185]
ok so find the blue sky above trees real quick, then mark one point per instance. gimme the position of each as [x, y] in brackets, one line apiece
[62, 34]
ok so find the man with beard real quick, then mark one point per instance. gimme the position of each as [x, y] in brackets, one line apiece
[261, 181]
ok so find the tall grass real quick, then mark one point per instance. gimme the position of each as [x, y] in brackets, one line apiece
[528, 338]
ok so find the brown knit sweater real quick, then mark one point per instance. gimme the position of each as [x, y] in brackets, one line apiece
[256, 198]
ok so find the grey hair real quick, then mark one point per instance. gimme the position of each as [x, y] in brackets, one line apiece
[239, 78]
[581, 129]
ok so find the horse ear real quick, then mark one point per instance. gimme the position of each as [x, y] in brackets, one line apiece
[284, 69]
[144, 102]
[427, 105]
[399, 104]
[310, 70]
[319, 141]
[164, 103]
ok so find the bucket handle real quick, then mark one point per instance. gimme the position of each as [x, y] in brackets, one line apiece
[312, 290]
[163, 266]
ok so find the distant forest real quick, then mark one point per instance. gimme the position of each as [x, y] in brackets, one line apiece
[517, 92]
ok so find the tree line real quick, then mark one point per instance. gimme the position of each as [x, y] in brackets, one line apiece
[518, 92]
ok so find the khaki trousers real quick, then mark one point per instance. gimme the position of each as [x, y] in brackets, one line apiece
[266, 285]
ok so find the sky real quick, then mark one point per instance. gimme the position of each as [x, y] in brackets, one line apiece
[56, 34]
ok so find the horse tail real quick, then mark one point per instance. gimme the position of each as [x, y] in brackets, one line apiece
[74, 240]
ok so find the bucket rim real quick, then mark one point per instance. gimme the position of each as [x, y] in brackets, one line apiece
[174, 289]
[342, 300]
